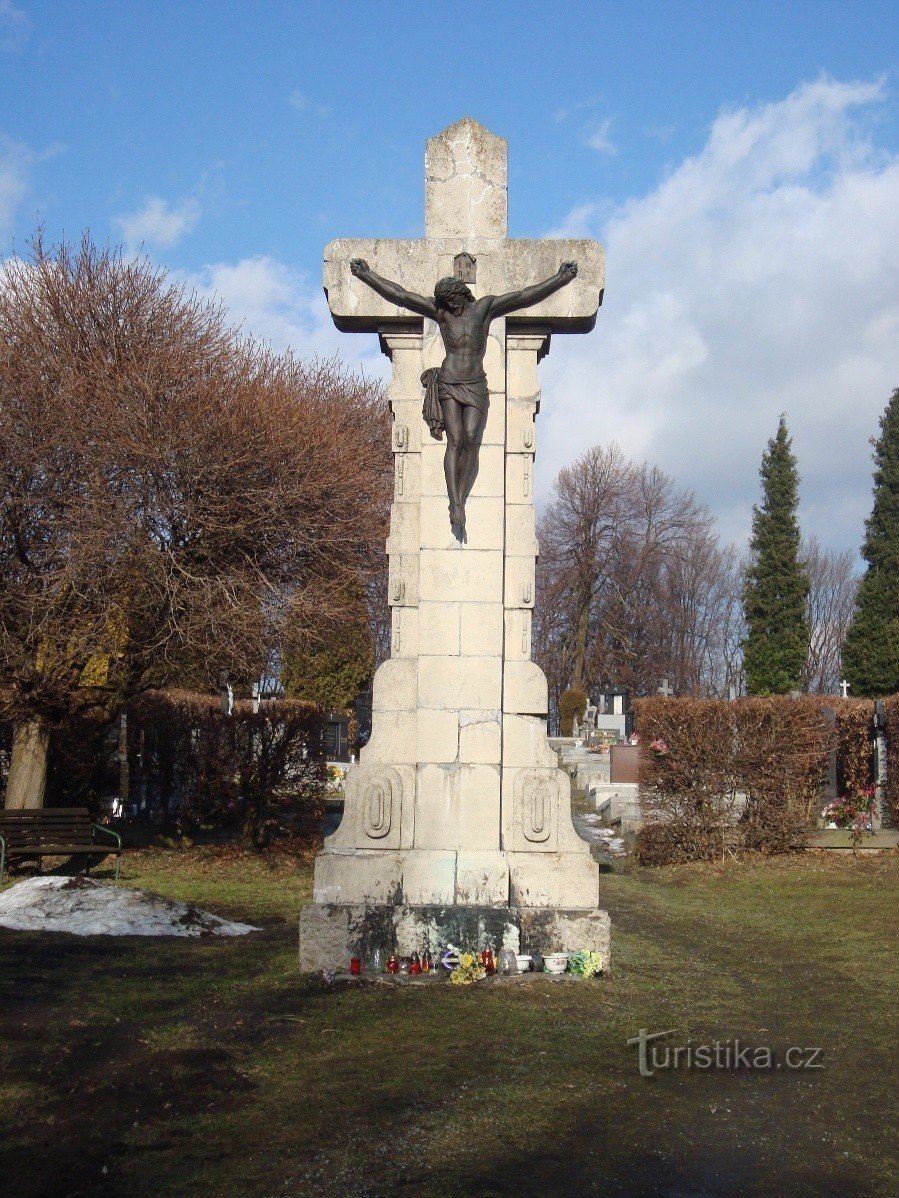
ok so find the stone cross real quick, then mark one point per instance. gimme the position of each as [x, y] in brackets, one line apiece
[844, 689]
[457, 802]
[665, 690]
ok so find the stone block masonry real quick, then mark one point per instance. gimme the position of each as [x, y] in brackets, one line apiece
[457, 821]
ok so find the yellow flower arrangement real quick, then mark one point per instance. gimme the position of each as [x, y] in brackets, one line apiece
[470, 969]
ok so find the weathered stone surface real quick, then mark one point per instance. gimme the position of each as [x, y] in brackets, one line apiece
[481, 878]
[517, 643]
[395, 686]
[521, 532]
[458, 807]
[525, 743]
[525, 689]
[520, 585]
[467, 576]
[479, 737]
[402, 583]
[331, 934]
[405, 531]
[438, 623]
[554, 880]
[438, 736]
[519, 479]
[407, 477]
[393, 738]
[419, 264]
[454, 683]
[484, 523]
[429, 877]
[545, 931]
[404, 632]
[466, 187]
[358, 876]
[481, 630]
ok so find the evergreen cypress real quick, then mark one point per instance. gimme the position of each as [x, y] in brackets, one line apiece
[776, 586]
[871, 650]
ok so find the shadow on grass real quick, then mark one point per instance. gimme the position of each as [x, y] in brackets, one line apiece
[212, 1067]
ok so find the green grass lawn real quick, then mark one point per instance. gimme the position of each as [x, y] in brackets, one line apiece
[187, 1067]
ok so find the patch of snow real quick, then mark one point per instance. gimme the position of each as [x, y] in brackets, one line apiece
[88, 908]
[603, 838]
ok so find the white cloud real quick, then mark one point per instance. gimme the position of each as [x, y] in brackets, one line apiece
[302, 103]
[599, 139]
[14, 26]
[16, 160]
[760, 276]
[280, 306]
[563, 112]
[158, 223]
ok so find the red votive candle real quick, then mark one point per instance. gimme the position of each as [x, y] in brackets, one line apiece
[355, 965]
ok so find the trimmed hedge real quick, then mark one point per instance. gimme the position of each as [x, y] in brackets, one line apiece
[262, 771]
[747, 772]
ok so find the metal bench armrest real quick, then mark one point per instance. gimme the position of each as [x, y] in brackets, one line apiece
[109, 832]
[118, 840]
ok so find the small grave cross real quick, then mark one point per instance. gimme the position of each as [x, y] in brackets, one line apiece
[844, 689]
[665, 690]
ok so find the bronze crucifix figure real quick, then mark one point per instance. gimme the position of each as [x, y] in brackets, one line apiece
[456, 394]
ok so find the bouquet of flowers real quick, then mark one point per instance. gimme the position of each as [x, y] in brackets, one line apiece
[585, 964]
[853, 813]
[470, 969]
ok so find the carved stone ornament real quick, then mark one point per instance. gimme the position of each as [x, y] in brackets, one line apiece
[535, 811]
[374, 795]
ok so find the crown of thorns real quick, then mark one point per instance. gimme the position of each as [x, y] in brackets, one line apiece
[448, 287]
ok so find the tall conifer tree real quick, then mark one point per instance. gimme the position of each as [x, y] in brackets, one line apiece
[871, 651]
[776, 585]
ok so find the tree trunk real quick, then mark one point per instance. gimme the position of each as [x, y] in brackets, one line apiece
[579, 654]
[27, 781]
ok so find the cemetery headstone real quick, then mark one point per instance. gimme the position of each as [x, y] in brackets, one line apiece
[457, 822]
[829, 793]
[880, 743]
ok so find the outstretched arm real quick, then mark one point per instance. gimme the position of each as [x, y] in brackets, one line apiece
[501, 305]
[392, 291]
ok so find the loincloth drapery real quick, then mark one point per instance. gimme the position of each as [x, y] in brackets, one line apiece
[472, 394]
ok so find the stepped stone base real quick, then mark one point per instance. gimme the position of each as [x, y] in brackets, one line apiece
[330, 934]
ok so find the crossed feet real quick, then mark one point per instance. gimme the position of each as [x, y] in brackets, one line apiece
[457, 520]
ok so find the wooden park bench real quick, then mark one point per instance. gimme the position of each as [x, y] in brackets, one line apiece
[54, 832]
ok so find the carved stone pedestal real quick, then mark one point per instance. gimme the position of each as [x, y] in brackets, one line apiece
[331, 934]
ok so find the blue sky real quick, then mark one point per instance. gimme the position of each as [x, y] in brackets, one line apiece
[739, 161]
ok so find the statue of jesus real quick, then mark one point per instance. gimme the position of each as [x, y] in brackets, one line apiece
[456, 395]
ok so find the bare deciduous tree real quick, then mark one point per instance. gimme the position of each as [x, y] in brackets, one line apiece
[633, 583]
[169, 492]
[832, 588]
